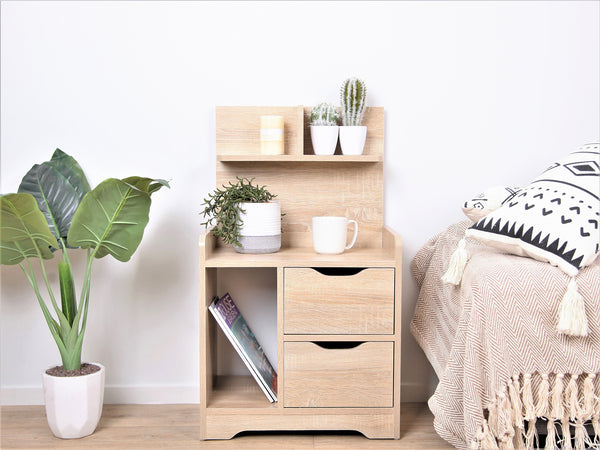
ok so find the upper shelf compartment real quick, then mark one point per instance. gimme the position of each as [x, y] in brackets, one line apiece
[238, 135]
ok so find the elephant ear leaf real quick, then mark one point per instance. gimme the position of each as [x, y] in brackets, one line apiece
[23, 230]
[112, 217]
[58, 186]
[147, 185]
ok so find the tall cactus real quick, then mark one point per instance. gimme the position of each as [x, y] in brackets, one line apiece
[353, 95]
[324, 114]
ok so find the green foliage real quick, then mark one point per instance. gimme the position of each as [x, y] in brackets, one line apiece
[353, 95]
[223, 206]
[24, 232]
[55, 210]
[58, 186]
[112, 217]
[324, 114]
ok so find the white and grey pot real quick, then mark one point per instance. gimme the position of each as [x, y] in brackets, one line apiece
[324, 138]
[261, 228]
[352, 139]
[74, 404]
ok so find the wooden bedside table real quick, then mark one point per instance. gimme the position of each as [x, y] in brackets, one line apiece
[338, 316]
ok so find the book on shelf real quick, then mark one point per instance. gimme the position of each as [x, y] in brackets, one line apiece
[244, 342]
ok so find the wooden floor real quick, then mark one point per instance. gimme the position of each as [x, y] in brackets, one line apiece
[176, 426]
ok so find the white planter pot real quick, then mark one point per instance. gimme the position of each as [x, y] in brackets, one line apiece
[324, 139]
[352, 139]
[261, 228]
[74, 404]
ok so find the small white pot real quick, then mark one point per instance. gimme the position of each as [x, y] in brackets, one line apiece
[261, 228]
[352, 139]
[74, 404]
[324, 138]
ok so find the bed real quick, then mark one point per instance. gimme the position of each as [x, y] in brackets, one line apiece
[504, 370]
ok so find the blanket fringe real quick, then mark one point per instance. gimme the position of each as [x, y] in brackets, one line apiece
[542, 409]
[551, 436]
[558, 411]
[573, 403]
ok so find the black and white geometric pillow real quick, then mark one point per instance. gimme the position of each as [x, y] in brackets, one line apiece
[489, 200]
[556, 218]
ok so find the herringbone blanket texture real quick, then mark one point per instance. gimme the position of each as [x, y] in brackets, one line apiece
[493, 343]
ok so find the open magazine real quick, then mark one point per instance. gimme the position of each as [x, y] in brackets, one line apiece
[243, 340]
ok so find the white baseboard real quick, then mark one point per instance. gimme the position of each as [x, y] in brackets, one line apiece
[145, 395]
[415, 393]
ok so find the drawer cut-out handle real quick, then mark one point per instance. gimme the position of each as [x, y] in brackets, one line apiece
[337, 345]
[338, 271]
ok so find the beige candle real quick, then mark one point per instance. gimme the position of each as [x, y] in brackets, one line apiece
[271, 135]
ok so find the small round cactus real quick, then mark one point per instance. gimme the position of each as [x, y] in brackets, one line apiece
[353, 95]
[324, 114]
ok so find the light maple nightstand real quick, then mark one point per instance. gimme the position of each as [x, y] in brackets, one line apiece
[338, 316]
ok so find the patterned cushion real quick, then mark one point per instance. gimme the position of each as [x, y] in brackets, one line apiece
[555, 218]
[488, 201]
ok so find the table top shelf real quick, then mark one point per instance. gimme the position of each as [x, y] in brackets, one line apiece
[301, 257]
[214, 254]
[299, 158]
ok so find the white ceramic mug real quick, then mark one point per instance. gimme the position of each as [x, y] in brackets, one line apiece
[331, 233]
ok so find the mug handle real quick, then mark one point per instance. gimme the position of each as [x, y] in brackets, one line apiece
[355, 233]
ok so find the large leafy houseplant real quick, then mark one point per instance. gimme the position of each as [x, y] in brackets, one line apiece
[55, 210]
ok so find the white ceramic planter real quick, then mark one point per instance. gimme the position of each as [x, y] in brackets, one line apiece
[352, 139]
[74, 404]
[324, 138]
[261, 228]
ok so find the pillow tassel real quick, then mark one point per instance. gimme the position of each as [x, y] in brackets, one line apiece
[571, 312]
[458, 262]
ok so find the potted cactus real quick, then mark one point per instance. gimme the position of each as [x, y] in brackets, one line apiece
[324, 127]
[352, 134]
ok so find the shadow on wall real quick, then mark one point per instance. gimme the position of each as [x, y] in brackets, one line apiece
[161, 266]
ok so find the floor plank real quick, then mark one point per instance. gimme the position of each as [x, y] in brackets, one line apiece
[177, 426]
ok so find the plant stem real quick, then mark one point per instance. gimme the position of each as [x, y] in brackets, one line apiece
[52, 324]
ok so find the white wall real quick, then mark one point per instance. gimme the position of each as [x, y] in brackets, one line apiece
[476, 94]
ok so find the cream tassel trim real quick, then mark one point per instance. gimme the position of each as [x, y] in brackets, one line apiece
[458, 262]
[580, 435]
[543, 405]
[587, 408]
[572, 398]
[515, 399]
[571, 313]
[527, 396]
[566, 430]
[596, 426]
[518, 442]
[559, 400]
[506, 430]
[551, 436]
[557, 410]
[486, 439]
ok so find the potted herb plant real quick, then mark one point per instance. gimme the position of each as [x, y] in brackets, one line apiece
[53, 212]
[353, 135]
[245, 216]
[324, 127]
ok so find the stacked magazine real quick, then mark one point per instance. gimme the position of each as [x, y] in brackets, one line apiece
[243, 340]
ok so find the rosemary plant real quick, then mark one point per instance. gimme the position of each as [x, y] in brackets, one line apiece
[223, 205]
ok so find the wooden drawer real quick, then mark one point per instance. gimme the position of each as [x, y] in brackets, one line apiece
[362, 376]
[318, 303]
